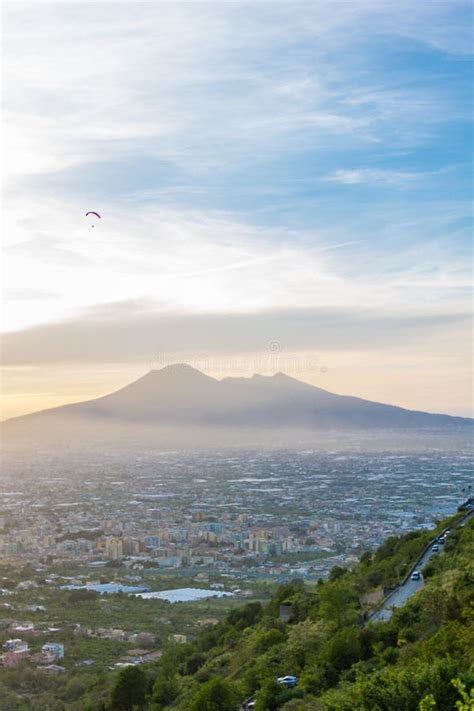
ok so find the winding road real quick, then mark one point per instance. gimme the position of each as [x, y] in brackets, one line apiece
[400, 595]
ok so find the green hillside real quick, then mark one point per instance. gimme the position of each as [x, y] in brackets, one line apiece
[421, 659]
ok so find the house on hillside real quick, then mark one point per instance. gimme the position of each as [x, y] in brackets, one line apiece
[54, 649]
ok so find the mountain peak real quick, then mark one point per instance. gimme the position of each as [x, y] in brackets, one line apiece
[179, 395]
[282, 376]
[177, 370]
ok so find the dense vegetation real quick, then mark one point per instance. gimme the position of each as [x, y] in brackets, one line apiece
[421, 659]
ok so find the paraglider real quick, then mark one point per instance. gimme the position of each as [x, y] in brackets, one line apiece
[92, 212]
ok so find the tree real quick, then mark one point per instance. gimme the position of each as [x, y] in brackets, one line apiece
[337, 572]
[245, 616]
[467, 699]
[339, 602]
[309, 704]
[268, 698]
[273, 695]
[74, 689]
[129, 689]
[192, 664]
[250, 681]
[304, 643]
[82, 596]
[173, 656]
[433, 606]
[404, 688]
[343, 649]
[165, 691]
[215, 695]
[266, 640]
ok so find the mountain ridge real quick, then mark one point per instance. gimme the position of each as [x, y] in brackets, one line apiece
[181, 396]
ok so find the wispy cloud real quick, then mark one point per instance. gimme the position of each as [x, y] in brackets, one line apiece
[387, 176]
[370, 176]
[136, 332]
[246, 157]
[146, 82]
[205, 261]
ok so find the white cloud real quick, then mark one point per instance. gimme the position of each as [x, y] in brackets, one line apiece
[385, 176]
[186, 261]
[198, 261]
[212, 96]
[130, 331]
[198, 84]
[206, 88]
[360, 176]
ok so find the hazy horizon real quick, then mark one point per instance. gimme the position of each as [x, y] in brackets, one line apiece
[178, 369]
[282, 187]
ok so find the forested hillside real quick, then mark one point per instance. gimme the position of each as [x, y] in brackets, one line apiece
[421, 659]
[411, 662]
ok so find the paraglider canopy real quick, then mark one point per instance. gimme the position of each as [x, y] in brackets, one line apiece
[93, 213]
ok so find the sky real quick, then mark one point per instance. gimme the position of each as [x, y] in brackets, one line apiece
[283, 186]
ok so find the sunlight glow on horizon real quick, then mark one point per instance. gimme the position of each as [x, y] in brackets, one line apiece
[302, 175]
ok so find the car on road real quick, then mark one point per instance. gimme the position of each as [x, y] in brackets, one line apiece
[435, 548]
[289, 681]
[441, 539]
[416, 575]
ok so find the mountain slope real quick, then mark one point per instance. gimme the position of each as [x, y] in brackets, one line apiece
[340, 663]
[181, 397]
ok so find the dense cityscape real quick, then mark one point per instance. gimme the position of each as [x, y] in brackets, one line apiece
[209, 529]
[232, 512]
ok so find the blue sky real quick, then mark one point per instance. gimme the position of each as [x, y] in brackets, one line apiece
[248, 158]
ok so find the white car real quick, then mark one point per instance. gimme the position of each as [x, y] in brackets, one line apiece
[416, 575]
[288, 681]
